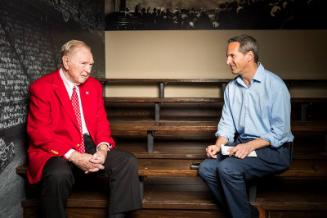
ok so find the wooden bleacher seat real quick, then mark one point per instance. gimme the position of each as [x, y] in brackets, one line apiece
[168, 134]
[126, 128]
[312, 169]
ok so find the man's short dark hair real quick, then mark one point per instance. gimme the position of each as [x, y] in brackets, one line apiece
[247, 43]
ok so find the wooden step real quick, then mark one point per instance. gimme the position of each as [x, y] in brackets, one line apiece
[118, 81]
[204, 100]
[167, 112]
[291, 199]
[195, 149]
[186, 202]
[143, 81]
[292, 194]
[306, 169]
[163, 128]
[297, 200]
[303, 100]
[79, 204]
[196, 127]
[167, 149]
[166, 167]
[287, 195]
[301, 169]
[166, 100]
[169, 213]
[307, 155]
[309, 127]
[164, 196]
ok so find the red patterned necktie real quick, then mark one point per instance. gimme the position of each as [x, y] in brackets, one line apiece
[75, 103]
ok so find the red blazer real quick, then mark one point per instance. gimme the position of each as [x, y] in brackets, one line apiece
[52, 126]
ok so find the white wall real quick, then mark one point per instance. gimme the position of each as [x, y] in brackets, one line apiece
[292, 54]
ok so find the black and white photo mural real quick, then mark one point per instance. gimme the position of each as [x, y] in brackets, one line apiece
[215, 14]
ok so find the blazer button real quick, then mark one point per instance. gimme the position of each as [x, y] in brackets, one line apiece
[78, 145]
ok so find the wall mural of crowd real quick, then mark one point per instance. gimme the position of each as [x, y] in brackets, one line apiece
[215, 14]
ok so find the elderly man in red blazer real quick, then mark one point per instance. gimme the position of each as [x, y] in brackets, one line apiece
[70, 137]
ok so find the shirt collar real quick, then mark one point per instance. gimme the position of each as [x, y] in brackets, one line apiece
[68, 84]
[258, 76]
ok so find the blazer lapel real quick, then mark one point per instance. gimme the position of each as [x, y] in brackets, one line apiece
[62, 95]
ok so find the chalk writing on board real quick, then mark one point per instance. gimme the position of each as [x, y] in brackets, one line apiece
[7, 152]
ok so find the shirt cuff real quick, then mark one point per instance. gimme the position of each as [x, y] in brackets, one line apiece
[68, 153]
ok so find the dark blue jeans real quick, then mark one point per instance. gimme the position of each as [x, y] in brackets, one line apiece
[227, 176]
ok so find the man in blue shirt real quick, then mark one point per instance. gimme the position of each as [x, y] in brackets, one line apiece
[255, 122]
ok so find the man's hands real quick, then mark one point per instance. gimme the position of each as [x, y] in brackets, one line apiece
[212, 151]
[241, 150]
[82, 161]
[89, 163]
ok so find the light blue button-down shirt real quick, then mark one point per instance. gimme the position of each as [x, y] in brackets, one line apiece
[261, 110]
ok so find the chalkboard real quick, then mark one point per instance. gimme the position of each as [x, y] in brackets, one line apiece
[13, 98]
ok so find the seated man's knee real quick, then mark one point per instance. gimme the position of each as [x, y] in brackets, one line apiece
[59, 174]
[229, 169]
[124, 160]
[131, 159]
[207, 168]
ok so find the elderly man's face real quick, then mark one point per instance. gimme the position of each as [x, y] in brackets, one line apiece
[78, 64]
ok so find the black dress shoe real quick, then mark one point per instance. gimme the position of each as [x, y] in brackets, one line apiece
[117, 215]
[254, 212]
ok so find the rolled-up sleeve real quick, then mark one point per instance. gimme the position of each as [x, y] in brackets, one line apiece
[226, 126]
[280, 130]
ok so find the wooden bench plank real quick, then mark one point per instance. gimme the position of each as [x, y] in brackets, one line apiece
[79, 200]
[306, 169]
[301, 200]
[173, 213]
[195, 127]
[293, 195]
[166, 167]
[176, 194]
[314, 169]
[304, 100]
[285, 196]
[158, 198]
[299, 169]
[131, 100]
[115, 81]
[128, 128]
[138, 81]
[309, 126]
[162, 199]
[167, 149]
[196, 150]
[310, 156]
[208, 100]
